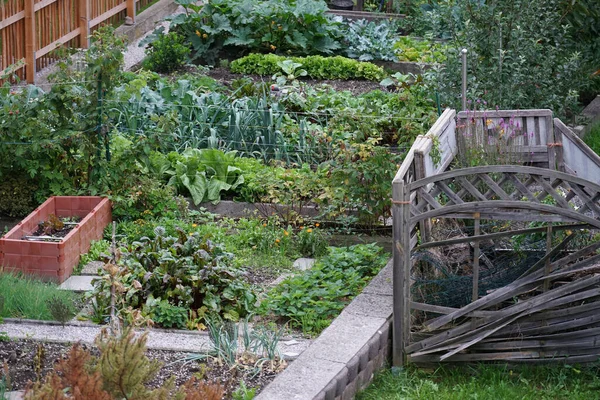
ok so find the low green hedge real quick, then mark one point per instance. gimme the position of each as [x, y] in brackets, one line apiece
[317, 67]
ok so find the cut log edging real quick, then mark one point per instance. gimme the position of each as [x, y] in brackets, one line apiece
[343, 359]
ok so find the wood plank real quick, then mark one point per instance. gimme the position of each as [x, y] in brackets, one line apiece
[12, 19]
[487, 326]
[517, 287]
[514, 169]
[532, 355]
[54, 45]
[504, 113]
[497, 235]
[43, 4]
[106, 15]
[447, 310]
[576, 140]
[556, 214]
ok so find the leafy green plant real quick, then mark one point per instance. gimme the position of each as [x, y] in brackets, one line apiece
[203, 173]
[326, 288]
[243, 392]
[316, 67]
[419, 50]
[184, 270]
[97, 249]
[167, 315]
[167, 54]
[365, 171]
[371, 40]
[291, 26]
[312, 241]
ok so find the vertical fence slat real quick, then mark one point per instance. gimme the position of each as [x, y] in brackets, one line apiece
[30, 40]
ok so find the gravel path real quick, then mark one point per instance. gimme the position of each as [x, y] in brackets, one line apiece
[158, 339]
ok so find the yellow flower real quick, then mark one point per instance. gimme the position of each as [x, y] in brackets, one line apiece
[198, 33]
[277, 241]
[194, 225]
[317, 224]
[264, 225]
[489, 122]
[285, 233]
[273, 47]
[205, 36]
[309, 230]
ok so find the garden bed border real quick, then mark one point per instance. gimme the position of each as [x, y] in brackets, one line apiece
[343, 359]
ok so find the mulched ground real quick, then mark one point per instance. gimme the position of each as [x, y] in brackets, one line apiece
[20, 357]
[357, 87]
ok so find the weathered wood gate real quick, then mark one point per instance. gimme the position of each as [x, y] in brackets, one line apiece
[556, 313]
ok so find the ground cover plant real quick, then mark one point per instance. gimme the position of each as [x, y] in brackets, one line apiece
[310, 301]
[23, 297]
[486, 382]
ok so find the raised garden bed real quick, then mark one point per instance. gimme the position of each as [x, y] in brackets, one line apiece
[55, 260]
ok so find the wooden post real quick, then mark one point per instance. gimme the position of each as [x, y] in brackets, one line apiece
[84, 23]
[131, 10]
[30, 40]
[424, 225]
[477, 232]
[548, 266]
[398, 273]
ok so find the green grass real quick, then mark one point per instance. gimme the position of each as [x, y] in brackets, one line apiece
[26, 297]
[592, 139]
[487, 382]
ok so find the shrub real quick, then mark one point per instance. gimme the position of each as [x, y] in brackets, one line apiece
[167, 54]
[16, 196]
[317, 67]
[520, 55]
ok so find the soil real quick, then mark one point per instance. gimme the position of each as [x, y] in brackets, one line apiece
[357, 87]
[20, 357]
[47, 228]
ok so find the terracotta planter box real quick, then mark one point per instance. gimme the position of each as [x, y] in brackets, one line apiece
[54, 261]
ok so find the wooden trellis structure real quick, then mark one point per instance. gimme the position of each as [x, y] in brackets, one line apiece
[557, 315]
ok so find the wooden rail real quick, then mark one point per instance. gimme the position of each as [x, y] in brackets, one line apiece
[31, 29]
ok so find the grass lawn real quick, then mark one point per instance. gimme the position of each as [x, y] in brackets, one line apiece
[482, 382]
[25, 297]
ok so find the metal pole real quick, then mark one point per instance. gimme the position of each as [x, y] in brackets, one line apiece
[464, 79]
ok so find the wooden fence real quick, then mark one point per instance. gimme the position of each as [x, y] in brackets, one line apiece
[30, 30]
[559, 166]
